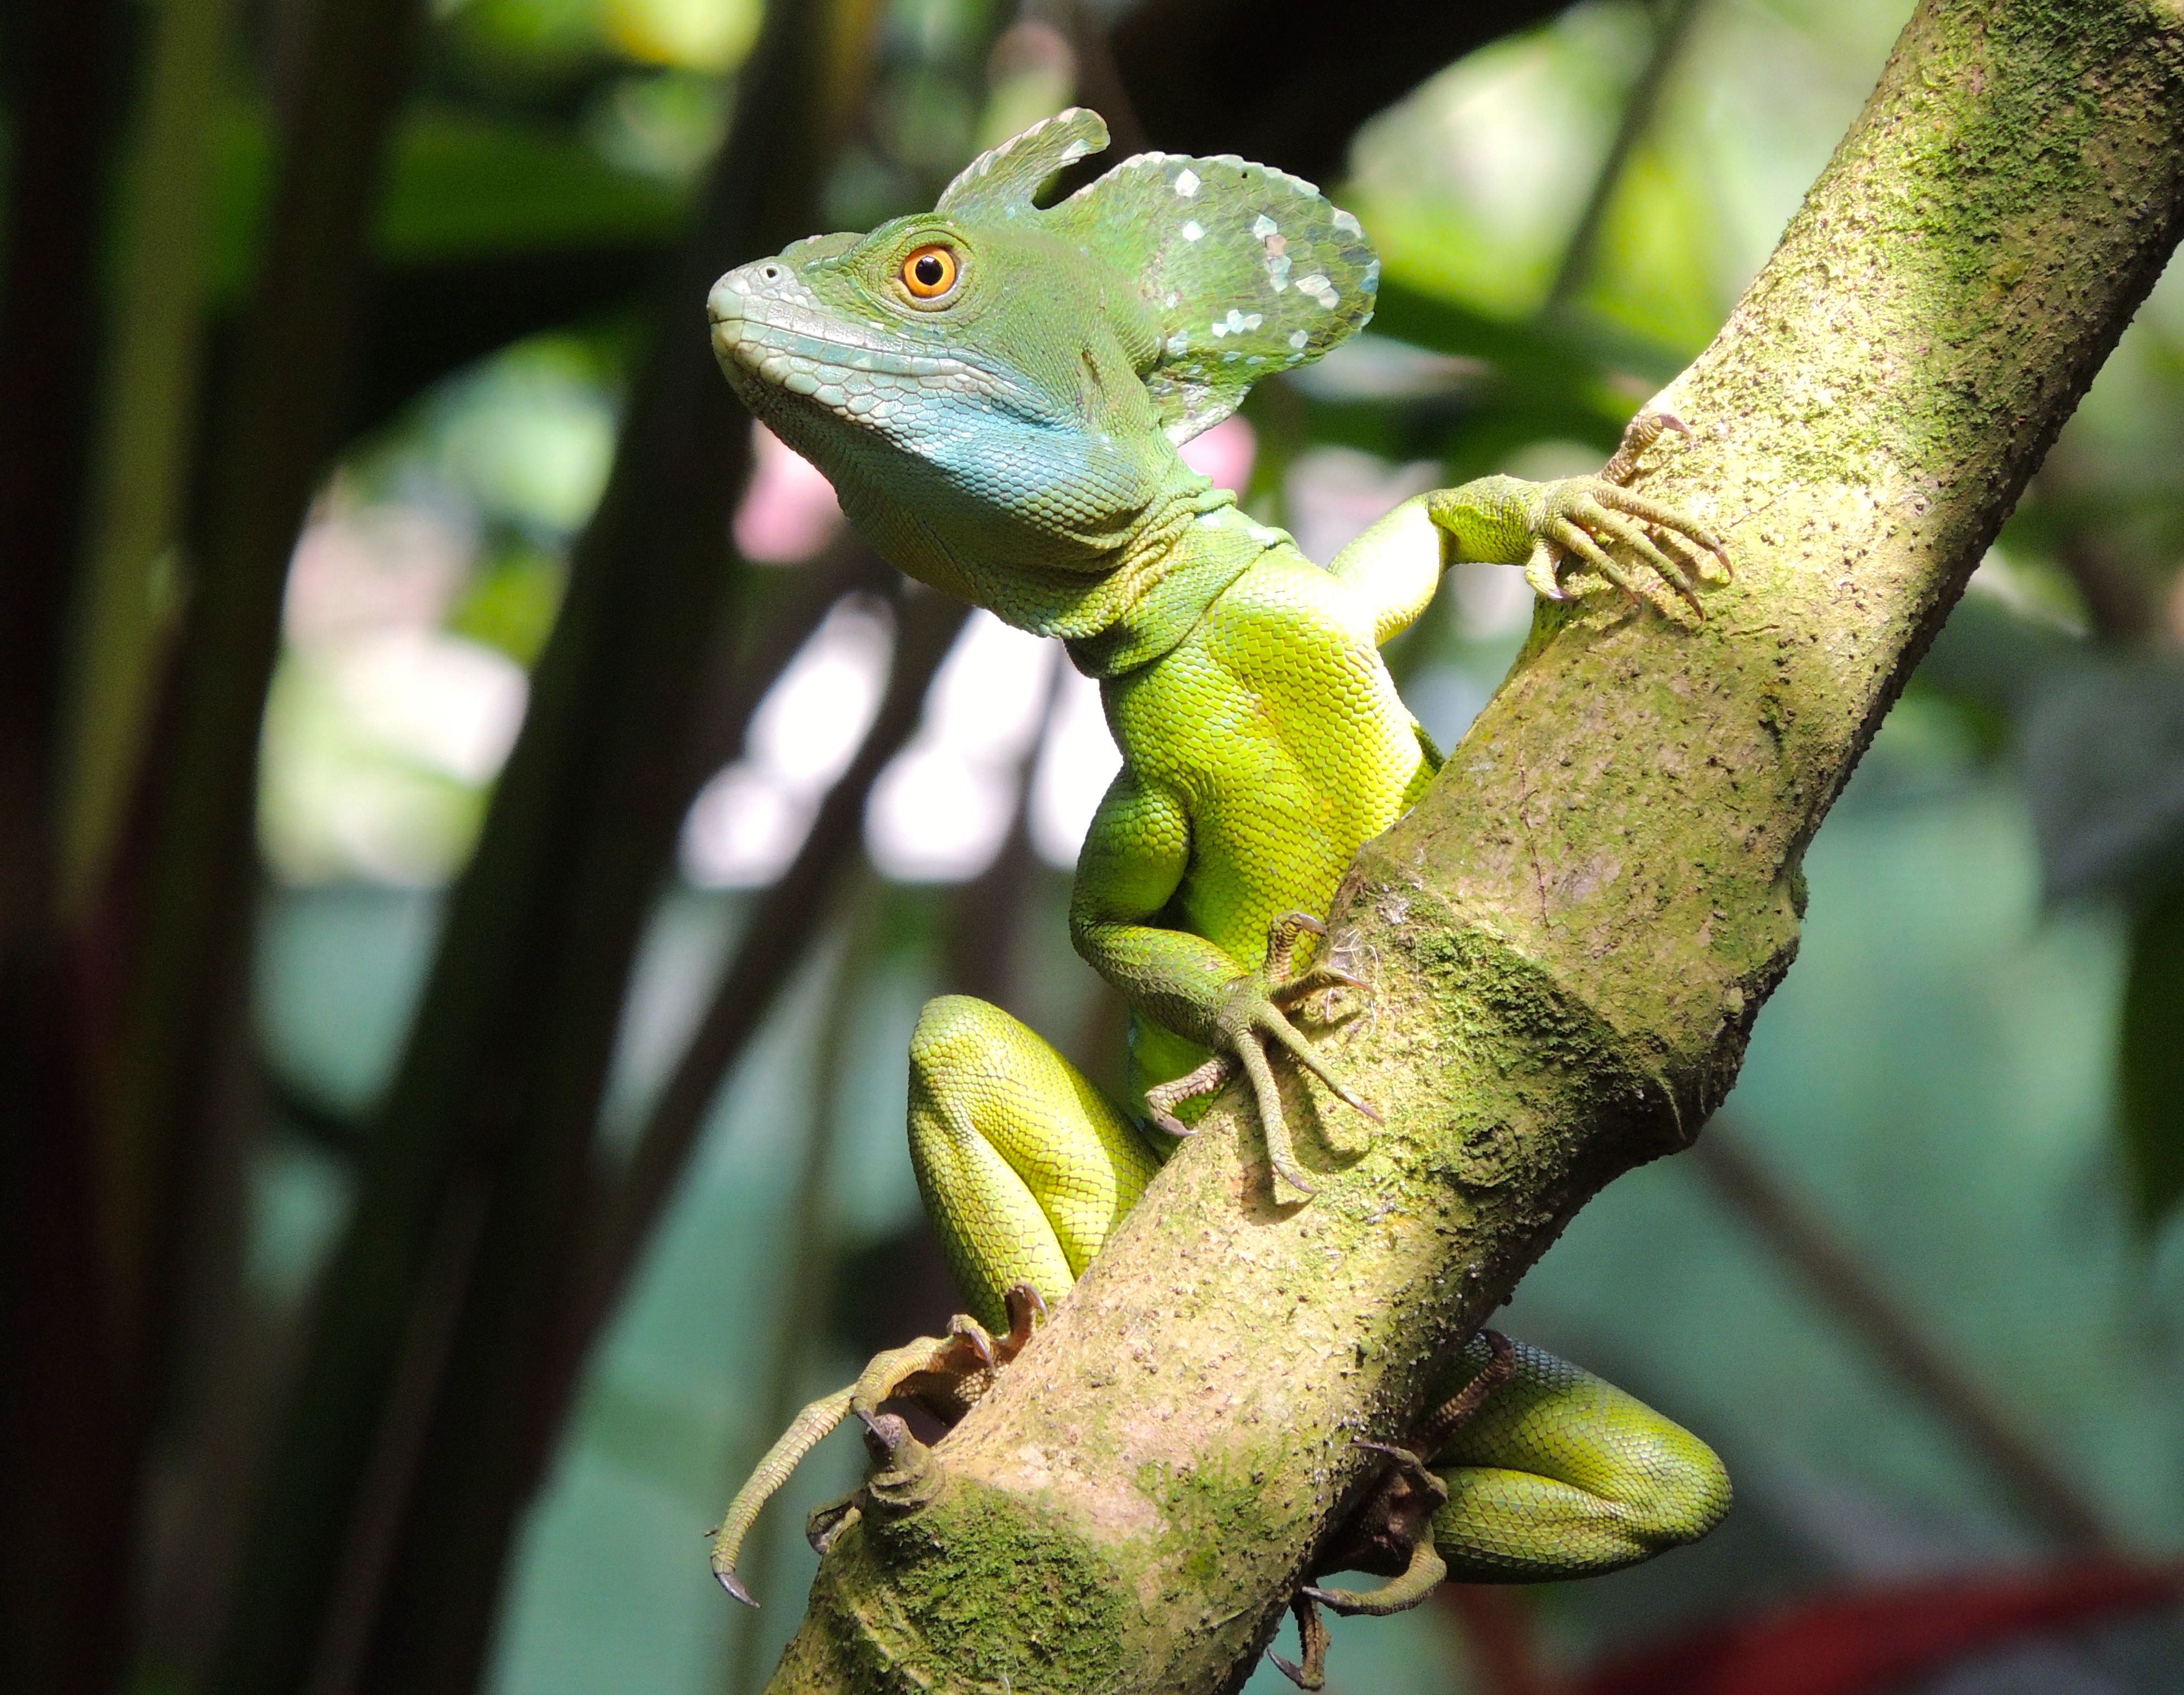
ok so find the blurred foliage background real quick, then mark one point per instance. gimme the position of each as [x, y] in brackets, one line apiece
[476, 831]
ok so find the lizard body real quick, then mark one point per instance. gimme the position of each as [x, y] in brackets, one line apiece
[997, 392]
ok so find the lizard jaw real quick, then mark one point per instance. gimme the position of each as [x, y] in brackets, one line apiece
[774, 338]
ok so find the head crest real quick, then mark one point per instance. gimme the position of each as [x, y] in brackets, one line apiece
[1246, 270]
[999, 183]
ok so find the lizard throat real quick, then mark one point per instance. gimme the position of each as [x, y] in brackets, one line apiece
[1178, 571]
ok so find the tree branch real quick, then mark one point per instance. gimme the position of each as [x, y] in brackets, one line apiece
[1571, 934]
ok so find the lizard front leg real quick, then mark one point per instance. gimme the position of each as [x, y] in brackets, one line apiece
[1544, 525]
[1397, 565]
[1133, 861]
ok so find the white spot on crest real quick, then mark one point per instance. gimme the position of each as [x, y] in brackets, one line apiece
[1192, 230]
[1346, 223]
[1262, 226]
[1186, 185]
[1298, 338]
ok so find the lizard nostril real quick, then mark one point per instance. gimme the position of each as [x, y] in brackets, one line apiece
[771, 273]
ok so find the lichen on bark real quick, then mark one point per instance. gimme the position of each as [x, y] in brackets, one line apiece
[1570, 935]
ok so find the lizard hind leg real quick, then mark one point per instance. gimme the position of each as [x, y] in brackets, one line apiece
[1559, 1474]
[1025, 1168]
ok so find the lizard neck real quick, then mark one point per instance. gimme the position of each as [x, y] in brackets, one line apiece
[1120, 582]
[1169, 573]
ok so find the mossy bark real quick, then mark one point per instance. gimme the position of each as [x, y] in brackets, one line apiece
[1571, 934]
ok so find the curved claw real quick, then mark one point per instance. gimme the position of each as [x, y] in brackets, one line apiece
[1026, 1310]
[1639, 434]
[1711, 567]
[1541, 571]
[970, 1333]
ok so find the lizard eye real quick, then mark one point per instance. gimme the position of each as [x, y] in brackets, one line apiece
[929, 272]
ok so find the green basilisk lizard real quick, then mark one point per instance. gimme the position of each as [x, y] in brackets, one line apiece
[997, 391]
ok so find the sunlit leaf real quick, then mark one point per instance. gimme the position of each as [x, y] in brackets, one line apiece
[697, 35]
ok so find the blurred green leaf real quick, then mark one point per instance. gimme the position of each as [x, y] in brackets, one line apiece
[463, 187]
[2153, 1057]
[1503, 385]
[510, 605]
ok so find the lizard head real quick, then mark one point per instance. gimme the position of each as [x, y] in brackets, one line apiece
[994, 386]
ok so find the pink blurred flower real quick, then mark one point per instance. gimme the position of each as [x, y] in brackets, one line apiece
[790, 509]
[1224, 454]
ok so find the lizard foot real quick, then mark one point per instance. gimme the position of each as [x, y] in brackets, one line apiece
[1254, 1019]
[1391, 1533]
[1579, 518]
[947, 1375]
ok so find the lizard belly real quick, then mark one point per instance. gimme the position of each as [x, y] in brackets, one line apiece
[1278, 724]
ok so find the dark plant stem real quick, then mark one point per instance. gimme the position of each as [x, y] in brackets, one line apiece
[270, 442]
[69, 1416]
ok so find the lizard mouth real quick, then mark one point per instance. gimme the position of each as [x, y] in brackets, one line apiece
[773, 337]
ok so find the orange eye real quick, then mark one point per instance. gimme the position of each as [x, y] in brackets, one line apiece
[930, 272]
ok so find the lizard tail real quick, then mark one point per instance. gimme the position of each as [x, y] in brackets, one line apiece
[804, 1434]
